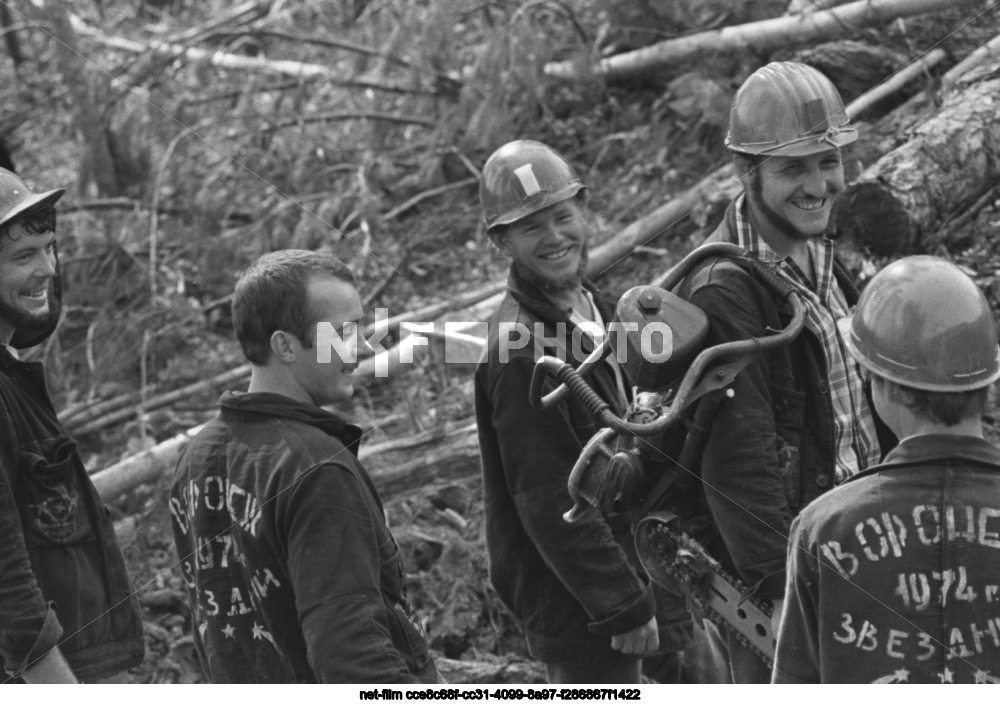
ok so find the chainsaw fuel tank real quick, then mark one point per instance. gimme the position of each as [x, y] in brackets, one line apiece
[656, 335]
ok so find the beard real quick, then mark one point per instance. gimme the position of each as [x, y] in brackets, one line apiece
[31, 329]
[551, 284]
[756, 196]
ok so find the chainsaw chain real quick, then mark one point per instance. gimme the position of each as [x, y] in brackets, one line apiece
[690, 580]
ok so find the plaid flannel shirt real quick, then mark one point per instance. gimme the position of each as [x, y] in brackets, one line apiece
[856, 439]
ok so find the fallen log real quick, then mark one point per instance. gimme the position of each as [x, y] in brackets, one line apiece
[450, 452]
[761, 37]
[853, 66]
[986, 53]
[720, 185]
[949, 161]
[236, 62]
[895, 82]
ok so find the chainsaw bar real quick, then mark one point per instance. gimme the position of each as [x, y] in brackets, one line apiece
[680, 564]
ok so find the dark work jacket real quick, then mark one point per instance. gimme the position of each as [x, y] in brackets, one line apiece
[895, 576]
[571, 585]
[291, 571]
[771, 449]
[63, 580]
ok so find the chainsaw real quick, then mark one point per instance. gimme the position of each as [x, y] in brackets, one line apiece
[646, 464]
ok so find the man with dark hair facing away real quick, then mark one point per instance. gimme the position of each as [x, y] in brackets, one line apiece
[588, 609]
[291, 571]
[67, 612]
[895, 575]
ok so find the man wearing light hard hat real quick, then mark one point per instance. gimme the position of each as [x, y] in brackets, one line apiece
[588, 610]
[800, 420]
[895, 576]
[67, 612]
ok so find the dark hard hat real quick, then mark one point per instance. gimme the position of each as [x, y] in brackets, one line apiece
[521, 178]
[788, 109]
[16, 197]
[923, 323]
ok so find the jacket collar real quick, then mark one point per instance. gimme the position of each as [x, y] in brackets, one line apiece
[938, 449]
[7, 359]
[238, 404]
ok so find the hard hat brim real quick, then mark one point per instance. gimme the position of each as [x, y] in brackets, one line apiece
[531, 207]
[895, 371]
[46, 198]
[804, 146]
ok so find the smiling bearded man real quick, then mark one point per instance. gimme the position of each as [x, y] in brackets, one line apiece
[588, 610]
[800, 421]
[67, 610]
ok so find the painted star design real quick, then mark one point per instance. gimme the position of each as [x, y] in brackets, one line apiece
[984, 677]
[902, 675]
[946, 676]
[228, 631]
[259, 633]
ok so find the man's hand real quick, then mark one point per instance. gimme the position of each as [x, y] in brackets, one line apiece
[778, 607]
[642, 640]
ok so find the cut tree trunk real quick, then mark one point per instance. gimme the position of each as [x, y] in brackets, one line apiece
[949, 161]
[761, 37]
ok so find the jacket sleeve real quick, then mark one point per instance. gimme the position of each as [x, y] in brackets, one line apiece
[797, 652]
[335, 549]
[743, 484]
[538, 449]
[28, 624]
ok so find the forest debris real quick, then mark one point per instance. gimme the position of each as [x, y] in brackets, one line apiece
[478, 671]
[760, 36]
[454, 519]
[853, 66]
[987, 52]
[895, 82]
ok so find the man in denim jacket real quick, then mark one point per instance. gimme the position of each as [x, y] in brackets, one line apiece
[292, 573]
[895, 576]
[588, 610]
[67, 612]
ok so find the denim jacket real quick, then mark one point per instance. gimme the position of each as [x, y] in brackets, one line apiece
[63, 580]
[771, 448]
[895, 575]
[571, 585]
[291, 571]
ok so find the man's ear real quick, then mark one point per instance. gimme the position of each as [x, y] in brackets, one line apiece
[284, 346]
[744, 167]
[498, 238]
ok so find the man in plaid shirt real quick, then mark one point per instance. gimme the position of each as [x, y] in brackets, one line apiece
[800, 421]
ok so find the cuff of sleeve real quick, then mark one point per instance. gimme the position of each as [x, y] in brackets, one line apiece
[46, 639]
[632, 616]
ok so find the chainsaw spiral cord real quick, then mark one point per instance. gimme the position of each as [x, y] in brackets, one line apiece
[594, 403]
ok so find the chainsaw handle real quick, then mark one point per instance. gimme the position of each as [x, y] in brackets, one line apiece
[535, 397]
[571, 379]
